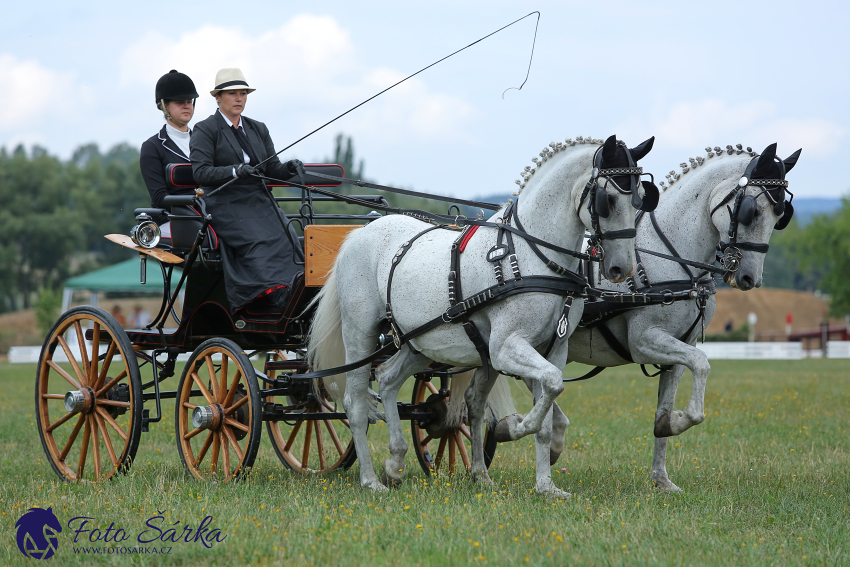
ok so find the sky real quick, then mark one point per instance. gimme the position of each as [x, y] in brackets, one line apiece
[690, 74]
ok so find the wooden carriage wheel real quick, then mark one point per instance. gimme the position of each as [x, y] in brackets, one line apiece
[311, 446]
[218, 412]
[88, 400]
[450, 453]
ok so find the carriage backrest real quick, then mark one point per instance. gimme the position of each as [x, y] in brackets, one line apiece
[179, 175]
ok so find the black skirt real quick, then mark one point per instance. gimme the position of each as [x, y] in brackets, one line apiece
[257, 255]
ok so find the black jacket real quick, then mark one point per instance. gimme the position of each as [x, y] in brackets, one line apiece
[157, 152]
[258, 246]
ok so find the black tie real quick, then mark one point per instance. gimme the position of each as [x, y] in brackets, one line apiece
[242, 138]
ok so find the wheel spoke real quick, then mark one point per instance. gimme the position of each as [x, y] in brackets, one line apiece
[111, 384]
[236, 406]
[187, 405]
[229, 434]
[292, 435]
[60, 421]
[463, 429]
[72, 438]
[462, 448]
[211, 371]
[236, 424]
[95, 448]
[84, 355]
[451, 453]
[215, 450]
[334, 437]
[222, 391]
[81, 466]
[63, 374]
[107, 360]
[320, 446]
[53, 396]
[425, 441]
[116, 403]
[226, 454]
[106, 440]
[204, 391]
[231, 393]
[305, 453]
[431, 387]
[192, 433]
[72, 360]
[440, 450]
[108, 418]
[204, 448]
[95, 348]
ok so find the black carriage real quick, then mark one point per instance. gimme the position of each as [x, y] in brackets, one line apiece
[99, 386]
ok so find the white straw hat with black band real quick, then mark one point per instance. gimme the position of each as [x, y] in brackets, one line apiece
[230, 79]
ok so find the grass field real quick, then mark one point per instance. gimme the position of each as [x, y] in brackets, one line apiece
[765, 478]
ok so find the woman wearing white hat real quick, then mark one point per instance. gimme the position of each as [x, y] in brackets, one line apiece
[257, 254]
[175, 97]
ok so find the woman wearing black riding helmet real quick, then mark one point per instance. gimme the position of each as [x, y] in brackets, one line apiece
[258, 246]
[175, 97]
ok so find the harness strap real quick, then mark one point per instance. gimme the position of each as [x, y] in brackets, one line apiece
[669, 245]
[480, 346]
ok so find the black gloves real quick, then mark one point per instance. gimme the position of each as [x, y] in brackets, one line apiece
[244, 170]
[295, 167]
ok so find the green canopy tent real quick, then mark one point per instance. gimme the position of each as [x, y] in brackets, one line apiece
[121, 277]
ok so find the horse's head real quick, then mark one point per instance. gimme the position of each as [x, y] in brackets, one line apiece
[613, 193]
[756, 206]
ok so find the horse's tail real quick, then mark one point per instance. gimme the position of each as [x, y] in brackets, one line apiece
[325, 347]
[500, 403]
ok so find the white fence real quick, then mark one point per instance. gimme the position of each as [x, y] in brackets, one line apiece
[753, 351]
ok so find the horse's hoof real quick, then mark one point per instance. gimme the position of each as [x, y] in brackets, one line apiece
[554, 456]
[483, 478]
[666, 485]
[663, 427]
[548, 489]
[389, 481]
[505, 427]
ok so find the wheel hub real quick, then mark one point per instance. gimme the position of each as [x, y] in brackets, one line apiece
[208, 417]
[80, 401]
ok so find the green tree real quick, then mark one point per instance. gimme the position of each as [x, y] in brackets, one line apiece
[825, 245]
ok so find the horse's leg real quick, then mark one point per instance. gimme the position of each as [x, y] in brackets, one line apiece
[667, 385]
[391, 375]
[560, 422]
[476, 405]
[658, 346]
[517, 357]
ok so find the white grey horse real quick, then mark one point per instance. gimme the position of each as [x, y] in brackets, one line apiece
[695, 215]
[352, 306]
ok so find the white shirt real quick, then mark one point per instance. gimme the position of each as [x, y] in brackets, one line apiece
[179, 138]
[245, 156]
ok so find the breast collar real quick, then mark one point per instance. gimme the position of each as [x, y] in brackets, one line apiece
[743, 211]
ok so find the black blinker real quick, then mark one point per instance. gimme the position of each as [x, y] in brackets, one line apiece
[747, 210]
[650, 197]
[600, 202]
[786, 216]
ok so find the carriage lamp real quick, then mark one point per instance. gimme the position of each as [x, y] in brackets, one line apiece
[145, 234]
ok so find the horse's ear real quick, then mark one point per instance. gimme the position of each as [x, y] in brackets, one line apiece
[609, 149]
[639, 152]
[765, 161]
[791, 160]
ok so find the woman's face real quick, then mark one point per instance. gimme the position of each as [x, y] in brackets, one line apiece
[181, 111]
[232, 103]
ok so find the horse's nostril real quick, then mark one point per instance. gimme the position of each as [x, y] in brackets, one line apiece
[747, 282]
[616, 273]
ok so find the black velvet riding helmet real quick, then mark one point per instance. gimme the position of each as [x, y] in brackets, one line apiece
[175, 86]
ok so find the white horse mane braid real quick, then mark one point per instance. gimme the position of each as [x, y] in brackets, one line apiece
[549, 151]
[693, 163]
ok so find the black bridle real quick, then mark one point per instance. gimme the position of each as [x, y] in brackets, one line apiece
[597, 204]
[743, 211]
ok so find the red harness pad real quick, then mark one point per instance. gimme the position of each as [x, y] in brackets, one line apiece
[466, 237]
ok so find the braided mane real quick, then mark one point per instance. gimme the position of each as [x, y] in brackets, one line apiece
[694, 163]
[546, 153]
